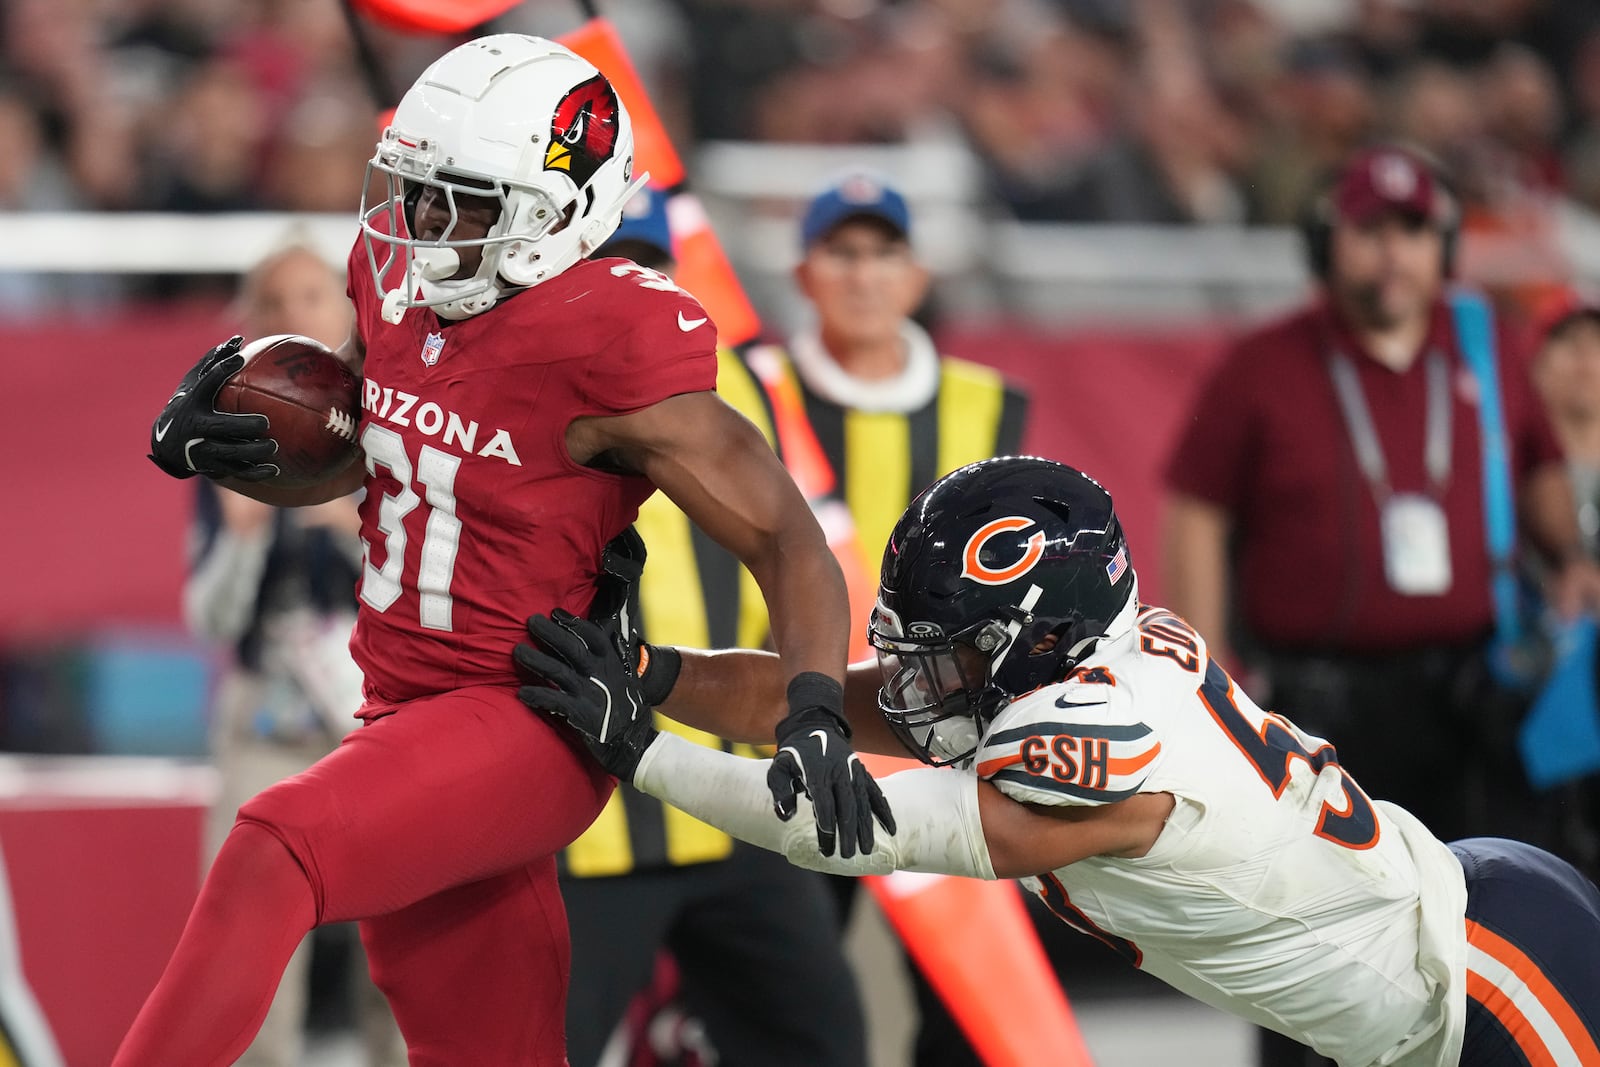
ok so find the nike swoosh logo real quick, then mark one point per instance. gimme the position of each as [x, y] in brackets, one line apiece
[822, 739]
[605, 716]
[686, 325]
[161, 431]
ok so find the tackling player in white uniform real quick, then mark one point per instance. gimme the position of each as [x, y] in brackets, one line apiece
[1271, 852]
[1102, 757]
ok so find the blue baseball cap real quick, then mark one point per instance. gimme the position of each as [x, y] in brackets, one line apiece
[644, 219]
[856, 196]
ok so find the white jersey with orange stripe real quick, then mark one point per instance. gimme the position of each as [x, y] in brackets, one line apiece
[1278, 890]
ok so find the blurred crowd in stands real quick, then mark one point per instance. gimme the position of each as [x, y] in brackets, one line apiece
[1160, 111]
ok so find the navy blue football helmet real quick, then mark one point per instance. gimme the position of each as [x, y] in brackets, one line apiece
[998, 579]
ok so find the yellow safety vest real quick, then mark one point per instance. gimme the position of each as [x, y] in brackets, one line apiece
[884, 459]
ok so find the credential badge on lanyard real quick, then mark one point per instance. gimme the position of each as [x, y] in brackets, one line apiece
[1416, 537]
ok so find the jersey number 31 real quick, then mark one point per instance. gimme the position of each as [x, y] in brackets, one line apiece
[435, 471]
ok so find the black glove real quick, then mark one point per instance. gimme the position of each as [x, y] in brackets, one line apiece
[598, 692]
[192, 437]
[606, 678]
[814, 757]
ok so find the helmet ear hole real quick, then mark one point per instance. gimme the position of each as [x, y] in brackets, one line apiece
[1047, 643]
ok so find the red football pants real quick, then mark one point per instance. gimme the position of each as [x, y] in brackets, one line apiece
[436, 825]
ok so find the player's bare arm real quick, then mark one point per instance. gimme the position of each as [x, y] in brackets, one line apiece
[715, 466]
[732, 693]
[738, 694]
[1028, 839]
[950, 823]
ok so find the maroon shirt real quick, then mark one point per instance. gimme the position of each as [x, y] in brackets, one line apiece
[475, 515]
[1267, 442]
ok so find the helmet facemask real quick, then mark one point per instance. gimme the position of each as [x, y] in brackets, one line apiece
[529, 214]
[938, 692]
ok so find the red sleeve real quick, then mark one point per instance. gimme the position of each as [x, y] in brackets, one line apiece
[666, 345]
[358, 286]
[1533, 439]
[1212, 457]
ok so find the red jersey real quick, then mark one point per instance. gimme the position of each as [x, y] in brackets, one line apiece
[475, 515]
[1268, 444]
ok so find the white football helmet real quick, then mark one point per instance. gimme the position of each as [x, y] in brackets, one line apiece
[509, 117]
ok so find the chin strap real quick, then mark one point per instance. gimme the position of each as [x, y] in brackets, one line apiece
[393, 310]
[428, 271]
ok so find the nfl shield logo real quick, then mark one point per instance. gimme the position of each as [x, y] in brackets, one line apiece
[432, 347]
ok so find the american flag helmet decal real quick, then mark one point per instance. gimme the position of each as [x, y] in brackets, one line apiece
[1118, 565]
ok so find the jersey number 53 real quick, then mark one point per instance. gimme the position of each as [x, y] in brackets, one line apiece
[1273, 746]
[1272, 749]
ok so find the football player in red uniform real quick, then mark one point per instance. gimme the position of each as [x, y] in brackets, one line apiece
[519, 402]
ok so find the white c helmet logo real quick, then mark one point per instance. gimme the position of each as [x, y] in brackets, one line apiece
[972, 565]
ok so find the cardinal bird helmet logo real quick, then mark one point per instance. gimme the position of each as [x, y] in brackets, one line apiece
[583, 133]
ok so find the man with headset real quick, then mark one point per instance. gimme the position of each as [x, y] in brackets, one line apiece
[1327, 523]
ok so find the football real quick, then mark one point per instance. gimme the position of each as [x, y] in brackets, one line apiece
[311, 399]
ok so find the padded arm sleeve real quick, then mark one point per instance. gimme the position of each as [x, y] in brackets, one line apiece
[940, 829]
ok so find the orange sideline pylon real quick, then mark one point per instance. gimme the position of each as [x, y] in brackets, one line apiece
[1008, 1003]
[976, 944]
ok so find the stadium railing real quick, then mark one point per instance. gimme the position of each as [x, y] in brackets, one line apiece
[984, 265]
